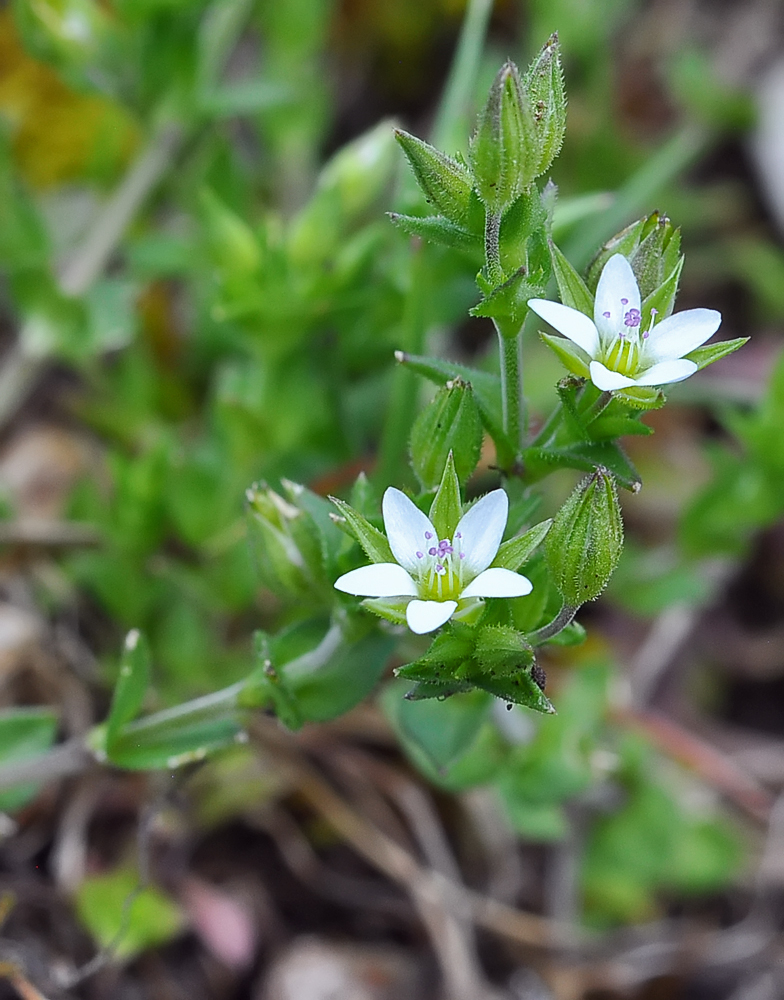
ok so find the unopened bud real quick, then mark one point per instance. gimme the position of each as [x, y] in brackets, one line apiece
[585, 542]
[503, 149]
[285, 544]
[544, 87]
[450, 423]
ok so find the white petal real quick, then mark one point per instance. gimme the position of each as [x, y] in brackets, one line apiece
[480, 531]
[617, 282]
[498, 582]
[407, 528]
[681, 333]
[378, 580]
[606, 380]
[426, 616]
[570, 322]
[666, 372]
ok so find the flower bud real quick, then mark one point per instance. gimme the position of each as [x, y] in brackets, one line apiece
[652, 247]
[544, 87]
[504, 149]
[285, 543]
[445, 183]
[585, 542]
[450, 423]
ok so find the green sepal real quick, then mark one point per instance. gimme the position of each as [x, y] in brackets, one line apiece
[449, 649]
[374, 542]
[704, 356]
[586, 539]
[501, 648]
[132, 682]
[662, 299]
[641, 397]
[424, 690]
[516, 551]
[446, 509]
[544, 86]
[572, 357]
[571, 287]
[623, 242]
[450, 424]
[392, 609]
[518, 688]
[508, 303]
[445, 182]
[436, 229]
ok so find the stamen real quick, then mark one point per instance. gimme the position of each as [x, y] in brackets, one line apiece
[462, 555]
[432, 551]
[458, 535]
[440, 569]
[624, 302]
[632, 317]
[607, 315]
[428, 535]
[420, 555]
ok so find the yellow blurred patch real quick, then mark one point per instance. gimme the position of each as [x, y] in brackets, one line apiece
[58, 134]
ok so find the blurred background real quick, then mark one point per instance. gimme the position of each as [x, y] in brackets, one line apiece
[199, 289]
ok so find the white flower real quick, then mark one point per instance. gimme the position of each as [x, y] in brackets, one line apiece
[622, 353]
[438, 573]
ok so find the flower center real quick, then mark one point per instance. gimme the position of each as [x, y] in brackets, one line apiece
[623, 355]
[440, 572]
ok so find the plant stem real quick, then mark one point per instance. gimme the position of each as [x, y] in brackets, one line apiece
[558, 624]
[492, 249]
[510, 351]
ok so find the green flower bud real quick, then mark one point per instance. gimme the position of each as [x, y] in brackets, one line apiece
[445, 183]
[585, 542]
[504, 148]
[544, 86]
[232, 241]
[450, 423]
[286, 545]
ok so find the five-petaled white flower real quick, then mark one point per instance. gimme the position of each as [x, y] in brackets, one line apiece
[622, 353]
[438, 573]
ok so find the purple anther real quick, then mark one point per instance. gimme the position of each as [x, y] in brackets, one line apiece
[624, 302]
[440, 569]
[462, 555]
[458, 535]
[607, 315]
[420, 555]
[632, 317]
[432, 551]
[646, 335]
[428, 535]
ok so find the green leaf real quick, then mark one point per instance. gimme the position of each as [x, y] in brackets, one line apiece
[587, 456]
[573, 290]
[509, 302]
[518, 688]
[516, 551]
[441, 730]
[486, 386]
[704, 356]
[105, 907]
[445, 183]
[446, 509]
[374, 543]
[132, 683]
[24, 733]
[436, 229]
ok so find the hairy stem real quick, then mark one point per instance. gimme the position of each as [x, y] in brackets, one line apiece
[510, 351]
[492, 248]
[558, 624]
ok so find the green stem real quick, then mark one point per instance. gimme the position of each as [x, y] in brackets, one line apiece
[510, 351]
[595, 409]
[558, 624]
[492, 248]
